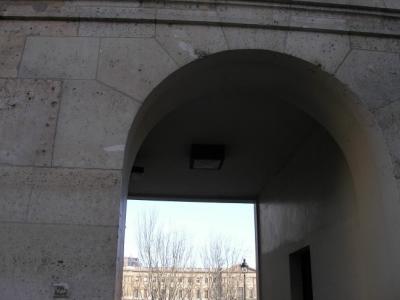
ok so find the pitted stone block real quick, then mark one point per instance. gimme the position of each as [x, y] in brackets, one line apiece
[16, 186]
[43, 28]
[11, 48]
[75, 196]
[34, 256]
[373, 76]
[375, 44]
[134, 66]
[389, 121]
[114, 12]
[253, 15]
[191, 15]
[93, 125]
[250, 38]
[38, 8]
[324, 50]
[28, 113]
[392, 4]
[67, 57]
[187, 43]
[110, 29]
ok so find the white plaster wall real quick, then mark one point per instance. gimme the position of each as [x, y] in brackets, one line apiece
[310, 202]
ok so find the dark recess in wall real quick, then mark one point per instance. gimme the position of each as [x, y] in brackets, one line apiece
[300, 274]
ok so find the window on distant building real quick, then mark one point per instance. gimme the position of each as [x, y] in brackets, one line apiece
[136, 293]
[206, 294]
[180, 294]
[205, 279]
[198, 296]
[198, 280]
[240, 291]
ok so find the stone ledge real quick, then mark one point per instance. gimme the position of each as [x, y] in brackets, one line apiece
[296, 17]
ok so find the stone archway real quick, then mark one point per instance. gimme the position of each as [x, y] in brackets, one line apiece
[336, 109]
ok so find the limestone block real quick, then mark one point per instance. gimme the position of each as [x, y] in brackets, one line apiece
[134, 66]
[16, 186]
[392, 4]
[187, 43]
[317, 19]
[44, 28]
[389, 120]
[11, 48]
[373, 76]
[324, 50]
[93, 125]
[97, 3]
[253, 15]
[113, 12]
[110, 29]
[372, 3]
[75, 196]
[375, 44]
[65, 57]
[199, 15]
[28, 113]
[250, 38]
[38, 8]
[34, 257]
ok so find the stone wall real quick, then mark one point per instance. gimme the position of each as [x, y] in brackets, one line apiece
[73, 75]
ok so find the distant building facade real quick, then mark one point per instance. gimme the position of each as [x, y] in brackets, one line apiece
[141, 283]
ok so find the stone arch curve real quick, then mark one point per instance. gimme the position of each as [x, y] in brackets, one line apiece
[330, 103]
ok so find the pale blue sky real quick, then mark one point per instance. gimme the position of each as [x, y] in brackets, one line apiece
[199, 221]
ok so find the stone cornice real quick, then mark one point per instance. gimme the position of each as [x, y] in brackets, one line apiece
[297, 16]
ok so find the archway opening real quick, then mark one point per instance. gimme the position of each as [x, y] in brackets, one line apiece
[295, 143]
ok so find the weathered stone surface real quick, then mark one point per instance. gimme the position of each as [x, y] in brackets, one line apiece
[133, 66]
[110, 29]
[249, 38]
[16, 186]
[69, 57]
[43, 28]
[34, 257]
[11, 48]
[28, 113]
[100, 3]
[59, 196]
[375, 44]
[36, 8]
[187, 43]
[374, 76]
[114, 12]
[392, 4]
[325, 50]
[389, 120]
[93, 125]
[195, 14]
[71, 196]
[318, 19]
[253, 15]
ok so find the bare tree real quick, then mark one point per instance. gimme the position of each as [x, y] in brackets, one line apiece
[221, 258]
[164, 255]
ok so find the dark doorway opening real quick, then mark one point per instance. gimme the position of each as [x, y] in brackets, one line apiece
[300, 274]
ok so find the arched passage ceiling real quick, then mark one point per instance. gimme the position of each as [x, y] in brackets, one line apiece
[260, 132]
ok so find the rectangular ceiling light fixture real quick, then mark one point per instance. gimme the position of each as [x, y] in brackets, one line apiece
[207, 157]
